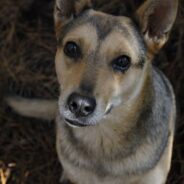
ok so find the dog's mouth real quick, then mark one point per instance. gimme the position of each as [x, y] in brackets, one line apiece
[75, 123]
[85, 122]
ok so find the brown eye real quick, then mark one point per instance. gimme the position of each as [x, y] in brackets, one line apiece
[72, 50]
[121, 63]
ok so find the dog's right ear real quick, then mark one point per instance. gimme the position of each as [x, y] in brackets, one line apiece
[66, 10]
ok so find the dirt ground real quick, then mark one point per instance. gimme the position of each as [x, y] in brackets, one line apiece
[27, 49]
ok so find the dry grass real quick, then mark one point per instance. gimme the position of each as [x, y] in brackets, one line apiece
[27, 48]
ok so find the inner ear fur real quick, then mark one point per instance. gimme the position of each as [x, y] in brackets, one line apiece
[66, 10]
[156, 19]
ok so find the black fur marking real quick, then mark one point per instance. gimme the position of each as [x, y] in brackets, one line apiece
[86, 87]
[165, 82]
[103, 25]
[140, 63]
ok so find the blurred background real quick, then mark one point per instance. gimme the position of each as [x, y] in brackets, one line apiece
[27, 49]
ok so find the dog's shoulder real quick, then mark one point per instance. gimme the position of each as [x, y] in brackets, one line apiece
[163, 91]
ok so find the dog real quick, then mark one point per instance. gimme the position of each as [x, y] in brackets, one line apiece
[116, 112]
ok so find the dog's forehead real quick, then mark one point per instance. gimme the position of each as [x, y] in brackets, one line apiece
[103, 23]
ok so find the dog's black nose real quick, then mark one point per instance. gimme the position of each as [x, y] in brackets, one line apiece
[81, 106]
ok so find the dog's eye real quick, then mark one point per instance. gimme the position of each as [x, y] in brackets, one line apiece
[72, 50]
[121, 63]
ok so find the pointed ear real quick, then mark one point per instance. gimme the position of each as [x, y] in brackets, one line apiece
[156, 18]
[65, 10]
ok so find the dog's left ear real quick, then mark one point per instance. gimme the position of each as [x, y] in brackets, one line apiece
[156, 18]
[66, 10]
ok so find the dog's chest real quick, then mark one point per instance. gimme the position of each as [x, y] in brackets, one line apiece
[84, 176]
[99, 166]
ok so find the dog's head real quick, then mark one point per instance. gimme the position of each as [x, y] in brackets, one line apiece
[102, 60]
